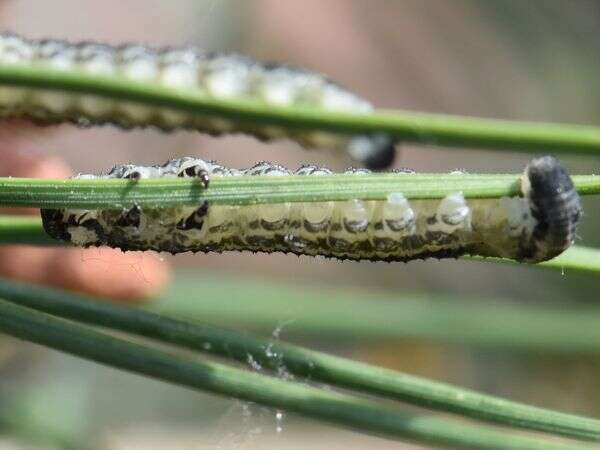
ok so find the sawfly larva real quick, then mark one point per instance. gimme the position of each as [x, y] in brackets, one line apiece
[218, 76]
[533, 227]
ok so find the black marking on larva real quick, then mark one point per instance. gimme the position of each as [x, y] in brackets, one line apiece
[190, 223]
[267, 168]
[133, 175]
[254, 225]
[210, 74]
[311, 169]
[86, 221]
[335, 227]
[196, 171]
[94, 225]
[451, 219]
[405, 170]
[356, 226]
[315, 227]
[130, 218]
[128, 171]
[73, 220]
[396, 225]
[357, 170]
[533, 228]
[194, 221]
[273, 226]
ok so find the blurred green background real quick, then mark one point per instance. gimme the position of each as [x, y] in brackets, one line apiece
[534, 60]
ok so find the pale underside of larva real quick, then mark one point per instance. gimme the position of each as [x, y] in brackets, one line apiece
[533, 227]
[217, 76]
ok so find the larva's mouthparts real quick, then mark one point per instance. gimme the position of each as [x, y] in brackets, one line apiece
[217, 76]
[555, 205]
[533, 227]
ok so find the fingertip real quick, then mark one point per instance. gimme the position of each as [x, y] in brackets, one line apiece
[23, 263]
[50, 167]
[31, 165]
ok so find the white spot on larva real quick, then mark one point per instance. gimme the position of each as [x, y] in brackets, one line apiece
[356, 215]
[227, 78]
[279, 88]
[229, 84]
[14, 50]
[65, 61]
[98, 62]
[138, 65]
[179, 77]
[99, 65]
[279, 416]
[454, 208]
[452, 213]
[141, 69]
[336, 99]
[57, 102]
[397, 213]
[360, 148]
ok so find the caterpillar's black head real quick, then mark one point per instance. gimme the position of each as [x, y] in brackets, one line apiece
[555, 206]
[375, 152]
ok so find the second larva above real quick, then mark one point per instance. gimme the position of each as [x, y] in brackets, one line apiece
[218, 76]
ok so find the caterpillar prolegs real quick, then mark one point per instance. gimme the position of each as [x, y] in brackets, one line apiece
[533, 227]
[216, 76]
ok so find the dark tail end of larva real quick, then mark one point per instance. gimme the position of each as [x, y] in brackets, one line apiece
[54, 225]
[375, 152]
[555, 206]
